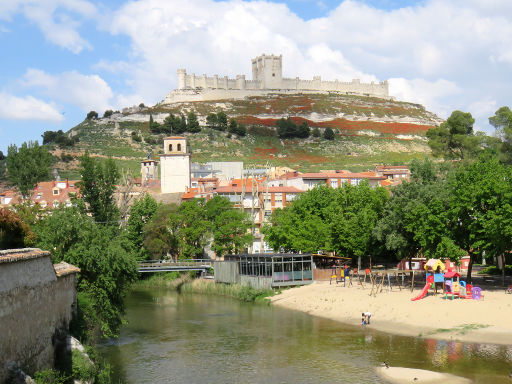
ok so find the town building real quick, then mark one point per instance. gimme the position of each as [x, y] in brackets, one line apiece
[175, 165]
[47, 194]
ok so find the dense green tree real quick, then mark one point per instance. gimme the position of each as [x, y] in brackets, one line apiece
[286, 128]
[222, 121]
[502, 121]
[108, 113]
[454, 139]
[193, 228]
[212, 121]
[480, 209]
[28, 165]
[141, 212]
[97, 188]
[2, 156]
[14, 233]
[161, 235]
[303, 130]
[193, 123]
[328, 134]
[305, 225]
[353, 216]
[233, 126]
[229, 227]
[316, 132]
[106, 260]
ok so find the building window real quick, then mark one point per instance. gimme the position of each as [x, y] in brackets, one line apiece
[334, 183]
[273, 75]
[179, 147]
[170, 147]
[55, 191]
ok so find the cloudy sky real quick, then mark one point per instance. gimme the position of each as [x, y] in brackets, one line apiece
[60, 59]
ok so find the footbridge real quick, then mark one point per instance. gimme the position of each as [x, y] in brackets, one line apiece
[202, 265]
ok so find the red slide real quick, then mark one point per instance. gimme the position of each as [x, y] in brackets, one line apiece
[423, 293]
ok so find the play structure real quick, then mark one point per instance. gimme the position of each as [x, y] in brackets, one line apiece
[453, 287]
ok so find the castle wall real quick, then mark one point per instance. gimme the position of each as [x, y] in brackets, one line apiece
[267, 75]
[36, 307]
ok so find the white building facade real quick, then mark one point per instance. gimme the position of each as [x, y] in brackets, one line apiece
[175, 165]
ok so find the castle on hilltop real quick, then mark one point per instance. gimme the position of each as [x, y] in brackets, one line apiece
[267, 77]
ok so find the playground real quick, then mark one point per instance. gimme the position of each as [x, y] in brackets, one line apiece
[387, 295]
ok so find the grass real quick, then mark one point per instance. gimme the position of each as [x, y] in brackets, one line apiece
[237, 291]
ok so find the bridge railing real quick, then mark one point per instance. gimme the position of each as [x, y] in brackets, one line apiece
[179, 263]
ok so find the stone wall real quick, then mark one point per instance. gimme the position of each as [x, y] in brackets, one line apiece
[37, 301]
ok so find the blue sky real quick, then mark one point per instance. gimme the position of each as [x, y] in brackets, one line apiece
[63, 58]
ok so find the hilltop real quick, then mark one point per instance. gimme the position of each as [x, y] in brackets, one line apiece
[369, 131]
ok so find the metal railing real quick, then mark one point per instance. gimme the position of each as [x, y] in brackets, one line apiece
[158, 264]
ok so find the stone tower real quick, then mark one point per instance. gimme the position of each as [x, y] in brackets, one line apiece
[148, 170]
[268, 69]
[175, 165]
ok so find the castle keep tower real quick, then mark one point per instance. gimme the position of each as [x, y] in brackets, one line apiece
[175, 165]
[268, 70]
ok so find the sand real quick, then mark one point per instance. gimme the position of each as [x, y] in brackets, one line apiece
[482, 321]
[398, 375]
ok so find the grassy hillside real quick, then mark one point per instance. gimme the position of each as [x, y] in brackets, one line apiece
[368, 131]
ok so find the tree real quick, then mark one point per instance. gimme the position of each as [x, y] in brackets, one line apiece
[192, 123]
[316, 132]
[161, 236]
[141, 105]
[328, 134]
[108, 113]
[153, 125]
[354, 214]
[303, 130]
[480, 209]
[233, 127]
[92, 115]
[241, 130]
[454, 139]
[286, 128]
[28, 165]
[141, 212]
[212, 121]
[222, 121]
[193, 228]
[502, 122]
[97, 188]
[229, 227]
[106, 260]
[14, 233]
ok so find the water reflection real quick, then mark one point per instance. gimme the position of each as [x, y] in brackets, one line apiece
[200, 339]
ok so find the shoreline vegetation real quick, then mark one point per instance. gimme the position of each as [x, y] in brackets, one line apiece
[186, 283]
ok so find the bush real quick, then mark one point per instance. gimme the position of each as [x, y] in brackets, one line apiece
[66, 157]
[136, 137]
[92, 115]
[108, 113]
[494, 270]
[328, 134]
[316, 132]
[82, 368]
[286, 128]
[50, 376]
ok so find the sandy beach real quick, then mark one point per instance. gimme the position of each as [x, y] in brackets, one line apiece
[482, 321]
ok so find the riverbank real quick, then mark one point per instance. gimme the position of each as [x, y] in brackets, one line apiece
[483, 321]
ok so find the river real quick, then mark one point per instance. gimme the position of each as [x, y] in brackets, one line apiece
[173, 338]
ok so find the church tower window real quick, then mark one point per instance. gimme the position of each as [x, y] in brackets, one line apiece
[170, 147]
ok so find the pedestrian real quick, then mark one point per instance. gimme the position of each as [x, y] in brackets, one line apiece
[363, 319]
[367, 316]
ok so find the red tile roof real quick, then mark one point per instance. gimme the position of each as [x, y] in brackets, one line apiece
[262, 189]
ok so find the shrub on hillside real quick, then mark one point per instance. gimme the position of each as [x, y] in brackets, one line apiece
[328, 134]
[259, 130]
[92, 115]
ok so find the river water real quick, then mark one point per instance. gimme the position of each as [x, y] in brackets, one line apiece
[185, 338]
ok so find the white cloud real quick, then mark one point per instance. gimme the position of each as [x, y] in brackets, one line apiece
[58, 20]
[27, 108]
[433, 95]
[87, 92]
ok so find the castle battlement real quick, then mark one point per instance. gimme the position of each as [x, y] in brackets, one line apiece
[267, 77]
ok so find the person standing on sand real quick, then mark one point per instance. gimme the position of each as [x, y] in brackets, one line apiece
[367, 316]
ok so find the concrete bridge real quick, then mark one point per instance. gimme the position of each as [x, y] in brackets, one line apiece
[202, 265]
